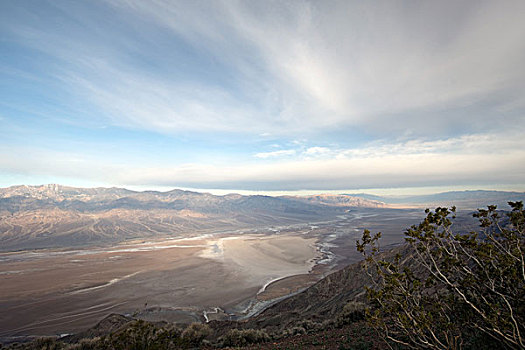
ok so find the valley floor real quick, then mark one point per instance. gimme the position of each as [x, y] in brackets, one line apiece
[202, 278]
[50, 292]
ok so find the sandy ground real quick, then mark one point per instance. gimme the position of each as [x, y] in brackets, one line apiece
[58, 292]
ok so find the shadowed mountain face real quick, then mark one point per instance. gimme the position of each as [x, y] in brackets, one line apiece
[59, 216]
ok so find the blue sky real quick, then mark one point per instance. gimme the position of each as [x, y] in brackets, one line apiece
[396, 96]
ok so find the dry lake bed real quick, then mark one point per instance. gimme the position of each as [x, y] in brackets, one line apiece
[45, 292]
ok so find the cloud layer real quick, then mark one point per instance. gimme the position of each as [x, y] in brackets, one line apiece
[467, 160]
[264, 95]
[283, 67]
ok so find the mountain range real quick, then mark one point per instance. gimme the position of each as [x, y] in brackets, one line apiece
[461, 199]
[93, 199]
[54, 216]
[51, 216]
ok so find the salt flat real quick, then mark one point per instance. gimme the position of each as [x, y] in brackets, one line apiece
[55, 292]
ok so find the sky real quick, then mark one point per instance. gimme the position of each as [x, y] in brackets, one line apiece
[263, 96]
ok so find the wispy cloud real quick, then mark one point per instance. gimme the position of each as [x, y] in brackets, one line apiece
[275, 154]
[359, 64]
[295, 67]
[314, 151]
[467, 160]
[272, 95]
[472, 159]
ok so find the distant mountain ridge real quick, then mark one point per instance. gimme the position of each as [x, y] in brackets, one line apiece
[101, 198]
[60, 192]
[53, 216]
[471, 199]
[339, 200]
[60, 216]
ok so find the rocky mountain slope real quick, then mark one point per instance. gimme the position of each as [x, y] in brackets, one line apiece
[50, 216]
[93, 199]
[338, 200]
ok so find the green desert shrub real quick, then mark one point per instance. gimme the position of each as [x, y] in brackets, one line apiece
[241, 337]
[46, 343]
[309, 325]
[297, 330]
[195, 333]
[451, 290]
[137, 335]
[352, 311]
[85, 344]
[89, 344]
[141, 335]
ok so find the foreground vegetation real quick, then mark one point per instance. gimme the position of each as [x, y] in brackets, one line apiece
[452, 291]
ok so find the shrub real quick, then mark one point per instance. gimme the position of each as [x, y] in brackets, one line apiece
[352, 311]
[46, 343]
[140, 335]
[309, 325]
[195, 333]
[294, 331]
[241, 337]
[85, 344]
[452, 290]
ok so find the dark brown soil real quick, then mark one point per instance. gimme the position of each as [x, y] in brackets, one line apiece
[354, 336]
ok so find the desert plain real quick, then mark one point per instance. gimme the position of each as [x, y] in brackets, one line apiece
[182, 280]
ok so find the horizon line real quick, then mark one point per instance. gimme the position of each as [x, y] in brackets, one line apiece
[380, 192]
